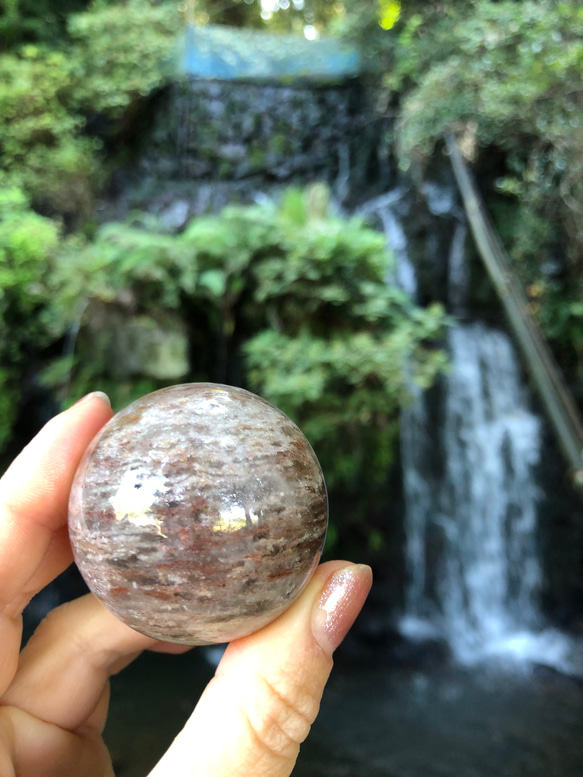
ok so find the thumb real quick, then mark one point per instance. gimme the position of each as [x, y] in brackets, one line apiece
[266, 693]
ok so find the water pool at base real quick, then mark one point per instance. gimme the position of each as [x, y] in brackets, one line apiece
[379, 721]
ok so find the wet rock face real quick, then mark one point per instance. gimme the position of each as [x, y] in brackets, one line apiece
[229, 130]
[202, 144]
[198, 513]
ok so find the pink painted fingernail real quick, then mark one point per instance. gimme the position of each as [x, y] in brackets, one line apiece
[99, 394]
[339, 604]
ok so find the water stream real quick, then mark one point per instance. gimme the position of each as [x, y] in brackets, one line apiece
[479, 506]
[470, 453]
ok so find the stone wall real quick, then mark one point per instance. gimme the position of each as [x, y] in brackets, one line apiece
[210, 143]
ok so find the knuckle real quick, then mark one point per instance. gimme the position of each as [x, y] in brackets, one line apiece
[282, 715]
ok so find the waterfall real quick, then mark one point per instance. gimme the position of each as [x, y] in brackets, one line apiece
[385, 209]
[470, 452]
[476, 511]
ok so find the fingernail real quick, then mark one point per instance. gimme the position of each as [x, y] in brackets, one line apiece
[99, 394]
[339, 604]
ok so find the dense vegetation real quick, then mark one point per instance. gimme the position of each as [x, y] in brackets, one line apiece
[291, 304]
[505, 77]
[288, 301]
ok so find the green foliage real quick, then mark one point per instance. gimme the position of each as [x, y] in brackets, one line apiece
[510, 73]
[41, 149]
[344, 391]
[123, 53]
[509, 67]
[28, 244]
[46, 94]
[506, 76]
[300, 295]
[123, 257]
[297, 295]
[34, 20]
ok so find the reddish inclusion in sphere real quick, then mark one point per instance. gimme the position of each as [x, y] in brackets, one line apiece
[198, 513]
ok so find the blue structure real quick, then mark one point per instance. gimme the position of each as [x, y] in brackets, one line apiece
[225, 53]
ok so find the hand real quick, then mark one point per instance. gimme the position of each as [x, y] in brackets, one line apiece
[253, 715]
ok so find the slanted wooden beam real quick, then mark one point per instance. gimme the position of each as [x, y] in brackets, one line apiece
[555, 395]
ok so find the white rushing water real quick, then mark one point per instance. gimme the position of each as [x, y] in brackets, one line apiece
[474, 509]
[470, 484]
[384, 207]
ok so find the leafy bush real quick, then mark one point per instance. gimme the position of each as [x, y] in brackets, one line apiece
[505, 76]
[509, 67]
[46, 95]
[514, 78]
[28, 245]
[42, 150]
[286, 299]
[122, 53]
[344, 392]
[34, 20]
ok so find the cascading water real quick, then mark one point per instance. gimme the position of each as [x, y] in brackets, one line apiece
[470, 491]
[384, 207]
[479, 505]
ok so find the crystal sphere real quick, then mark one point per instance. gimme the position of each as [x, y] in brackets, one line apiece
[198, 513]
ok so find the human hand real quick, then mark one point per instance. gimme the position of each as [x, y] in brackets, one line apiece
[251, 718]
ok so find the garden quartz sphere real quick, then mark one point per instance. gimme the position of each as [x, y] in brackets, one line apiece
[198, 513]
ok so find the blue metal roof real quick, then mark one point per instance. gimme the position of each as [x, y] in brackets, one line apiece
[228, 53]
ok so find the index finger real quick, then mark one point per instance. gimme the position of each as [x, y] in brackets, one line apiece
[34, 494]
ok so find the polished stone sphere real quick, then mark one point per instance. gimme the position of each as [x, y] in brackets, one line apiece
[198, 513]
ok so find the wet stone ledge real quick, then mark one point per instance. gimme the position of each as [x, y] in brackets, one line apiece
[223, 130]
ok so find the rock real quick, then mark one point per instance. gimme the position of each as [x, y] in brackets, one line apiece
[198, 514]
[142, 345]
